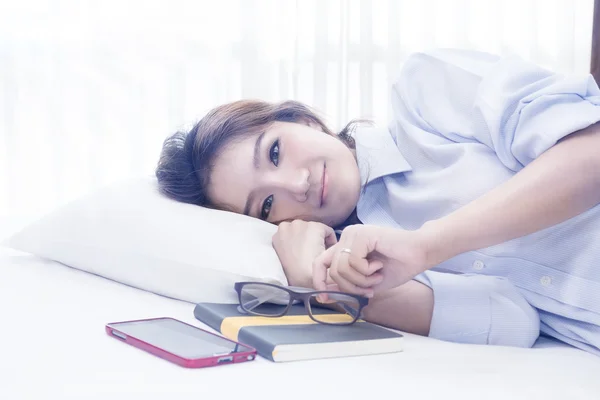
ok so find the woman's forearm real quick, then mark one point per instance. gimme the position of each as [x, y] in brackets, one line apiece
[560, 184]
[408, 308]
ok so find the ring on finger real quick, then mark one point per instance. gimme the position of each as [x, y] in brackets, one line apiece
[346, 250]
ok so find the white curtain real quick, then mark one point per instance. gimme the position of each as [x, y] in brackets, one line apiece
[90, 89]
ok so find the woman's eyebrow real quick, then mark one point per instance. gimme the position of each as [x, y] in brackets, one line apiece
[256, 160]
[249, 202]
[256, 163]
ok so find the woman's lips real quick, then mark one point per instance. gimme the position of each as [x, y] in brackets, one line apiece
[324, 185]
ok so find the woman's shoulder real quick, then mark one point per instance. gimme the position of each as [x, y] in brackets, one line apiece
[452, 56]
[425, 63]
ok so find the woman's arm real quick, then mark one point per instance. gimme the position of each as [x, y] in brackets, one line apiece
[408, 308]
[540, 124]
[560, 184]
[472, 309]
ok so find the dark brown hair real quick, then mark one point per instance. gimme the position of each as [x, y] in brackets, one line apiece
[186, 160]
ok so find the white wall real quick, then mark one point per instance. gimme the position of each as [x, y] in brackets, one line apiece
[89, 89]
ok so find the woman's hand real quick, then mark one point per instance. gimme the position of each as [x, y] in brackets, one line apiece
[371, 258]
[298, 244]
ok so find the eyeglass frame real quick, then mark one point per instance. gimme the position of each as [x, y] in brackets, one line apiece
[305, 297]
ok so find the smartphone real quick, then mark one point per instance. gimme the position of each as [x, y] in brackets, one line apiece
[180, 343]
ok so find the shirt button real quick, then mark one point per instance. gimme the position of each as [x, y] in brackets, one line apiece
[478, 265]
[546, 281]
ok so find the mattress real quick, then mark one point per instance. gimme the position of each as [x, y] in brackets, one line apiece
[53, 345]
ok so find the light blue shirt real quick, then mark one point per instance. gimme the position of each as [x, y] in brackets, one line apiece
[465, 122]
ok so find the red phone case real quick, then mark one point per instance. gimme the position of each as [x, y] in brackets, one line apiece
[184, 362]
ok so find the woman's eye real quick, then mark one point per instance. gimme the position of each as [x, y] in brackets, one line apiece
[266, 208]
[274, 153]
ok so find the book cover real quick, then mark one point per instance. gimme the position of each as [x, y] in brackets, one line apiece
[295, 336]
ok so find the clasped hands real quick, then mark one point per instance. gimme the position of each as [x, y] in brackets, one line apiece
[365, 260]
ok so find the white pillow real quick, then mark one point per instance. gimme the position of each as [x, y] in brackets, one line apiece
[131, 233]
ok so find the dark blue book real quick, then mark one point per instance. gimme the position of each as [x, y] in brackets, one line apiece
[295, 336]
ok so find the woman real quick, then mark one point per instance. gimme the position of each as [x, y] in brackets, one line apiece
[472, 218]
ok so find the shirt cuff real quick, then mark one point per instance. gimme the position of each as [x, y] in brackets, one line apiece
[480, 309]
[461, 310]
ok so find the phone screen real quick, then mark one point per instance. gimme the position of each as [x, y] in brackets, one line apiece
[178, 338]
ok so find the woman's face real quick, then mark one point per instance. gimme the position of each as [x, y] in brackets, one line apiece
[289, 171]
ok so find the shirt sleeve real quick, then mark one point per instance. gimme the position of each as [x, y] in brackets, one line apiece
[480, 309]
[516, 108]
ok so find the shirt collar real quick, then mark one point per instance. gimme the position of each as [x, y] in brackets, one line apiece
[377, 154]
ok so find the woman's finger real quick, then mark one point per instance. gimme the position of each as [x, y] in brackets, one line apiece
[375, 265]
[351, 263]
[340, 270]
[348, 287]
[329, 236]
[320, 266]
[332, 287]
[355, 274]
[365, 267]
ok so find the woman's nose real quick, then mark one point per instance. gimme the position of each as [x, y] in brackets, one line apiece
[295, 182]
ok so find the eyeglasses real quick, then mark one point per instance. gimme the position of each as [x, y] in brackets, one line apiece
[270, 300]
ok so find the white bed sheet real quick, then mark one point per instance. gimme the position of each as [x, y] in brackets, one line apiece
[53, 345]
